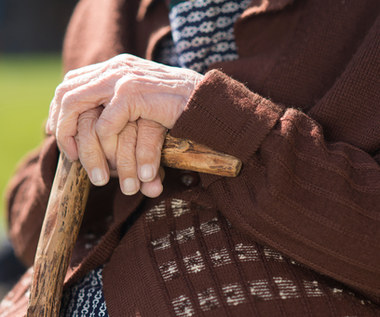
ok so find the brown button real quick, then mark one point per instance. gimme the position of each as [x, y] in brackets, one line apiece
[189, 179]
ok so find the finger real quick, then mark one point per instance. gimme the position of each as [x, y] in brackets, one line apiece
[73, 104]
[148, 97]
[131, 102]
[89, 149]
[154, 188]
[109, 127]
[126, 159]
[94, 82]
[65, 87]
[150, 138]
[83, 70]
[115, 115]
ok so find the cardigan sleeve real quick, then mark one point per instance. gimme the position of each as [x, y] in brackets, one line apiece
[310, 182]
[27, 197]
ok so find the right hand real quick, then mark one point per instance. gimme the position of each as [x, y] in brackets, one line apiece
[142, 139]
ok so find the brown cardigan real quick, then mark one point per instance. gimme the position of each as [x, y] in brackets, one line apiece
[300, 107]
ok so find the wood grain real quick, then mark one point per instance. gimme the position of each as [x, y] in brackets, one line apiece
[59, 232]
[187, 155]
[66, 207]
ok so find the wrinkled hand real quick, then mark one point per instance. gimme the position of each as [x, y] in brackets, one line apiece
[140, 100]
[95, 162]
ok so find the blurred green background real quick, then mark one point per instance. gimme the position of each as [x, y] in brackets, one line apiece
[27, 84]
[31, 37]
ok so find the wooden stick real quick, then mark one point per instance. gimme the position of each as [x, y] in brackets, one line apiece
[187, 155]
[66, 207]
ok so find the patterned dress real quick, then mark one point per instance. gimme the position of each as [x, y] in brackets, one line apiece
[86, 297]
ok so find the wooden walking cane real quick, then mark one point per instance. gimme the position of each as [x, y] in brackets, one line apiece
[65, 211]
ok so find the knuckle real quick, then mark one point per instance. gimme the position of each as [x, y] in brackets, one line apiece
[86, 132]
[148, 124]
[130, 131]
[122, 84]
[70, 74]
[121, 58]
[105, 78]
[148, 152]
[60, 90]
[60, 135]
[127, 166]
[151, 141]
[152, 128]
[88, 118]
[62, 140]
[88, 152]
[69, 100]
[129, 82]
[126, 148]
[116, 58]
[89, 156]
[149, 144]
[103, 127]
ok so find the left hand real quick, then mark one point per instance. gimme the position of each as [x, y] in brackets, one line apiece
[134, 92]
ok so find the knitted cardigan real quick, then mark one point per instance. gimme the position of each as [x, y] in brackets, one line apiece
[296, 233]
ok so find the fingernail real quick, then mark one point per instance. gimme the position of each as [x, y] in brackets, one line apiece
[146, 172]
[98, 177]
[130, 186]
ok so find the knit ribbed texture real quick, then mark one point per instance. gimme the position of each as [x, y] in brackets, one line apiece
[200, 265]
[301, 108]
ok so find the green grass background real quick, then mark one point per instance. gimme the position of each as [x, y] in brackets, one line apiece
[27, 84]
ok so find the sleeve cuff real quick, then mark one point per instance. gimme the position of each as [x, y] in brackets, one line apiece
[226, 116]
[48, 160]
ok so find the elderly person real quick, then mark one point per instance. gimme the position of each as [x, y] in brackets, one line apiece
[289, 87]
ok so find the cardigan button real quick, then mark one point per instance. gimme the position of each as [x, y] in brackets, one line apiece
[189, 179]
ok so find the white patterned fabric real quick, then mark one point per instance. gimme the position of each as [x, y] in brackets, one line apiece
[202, 33]
[85, 298]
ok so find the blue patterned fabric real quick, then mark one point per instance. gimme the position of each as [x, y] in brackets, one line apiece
[202, 31]
[85, 298]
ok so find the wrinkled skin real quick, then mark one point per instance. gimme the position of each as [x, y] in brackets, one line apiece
[114, 115]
